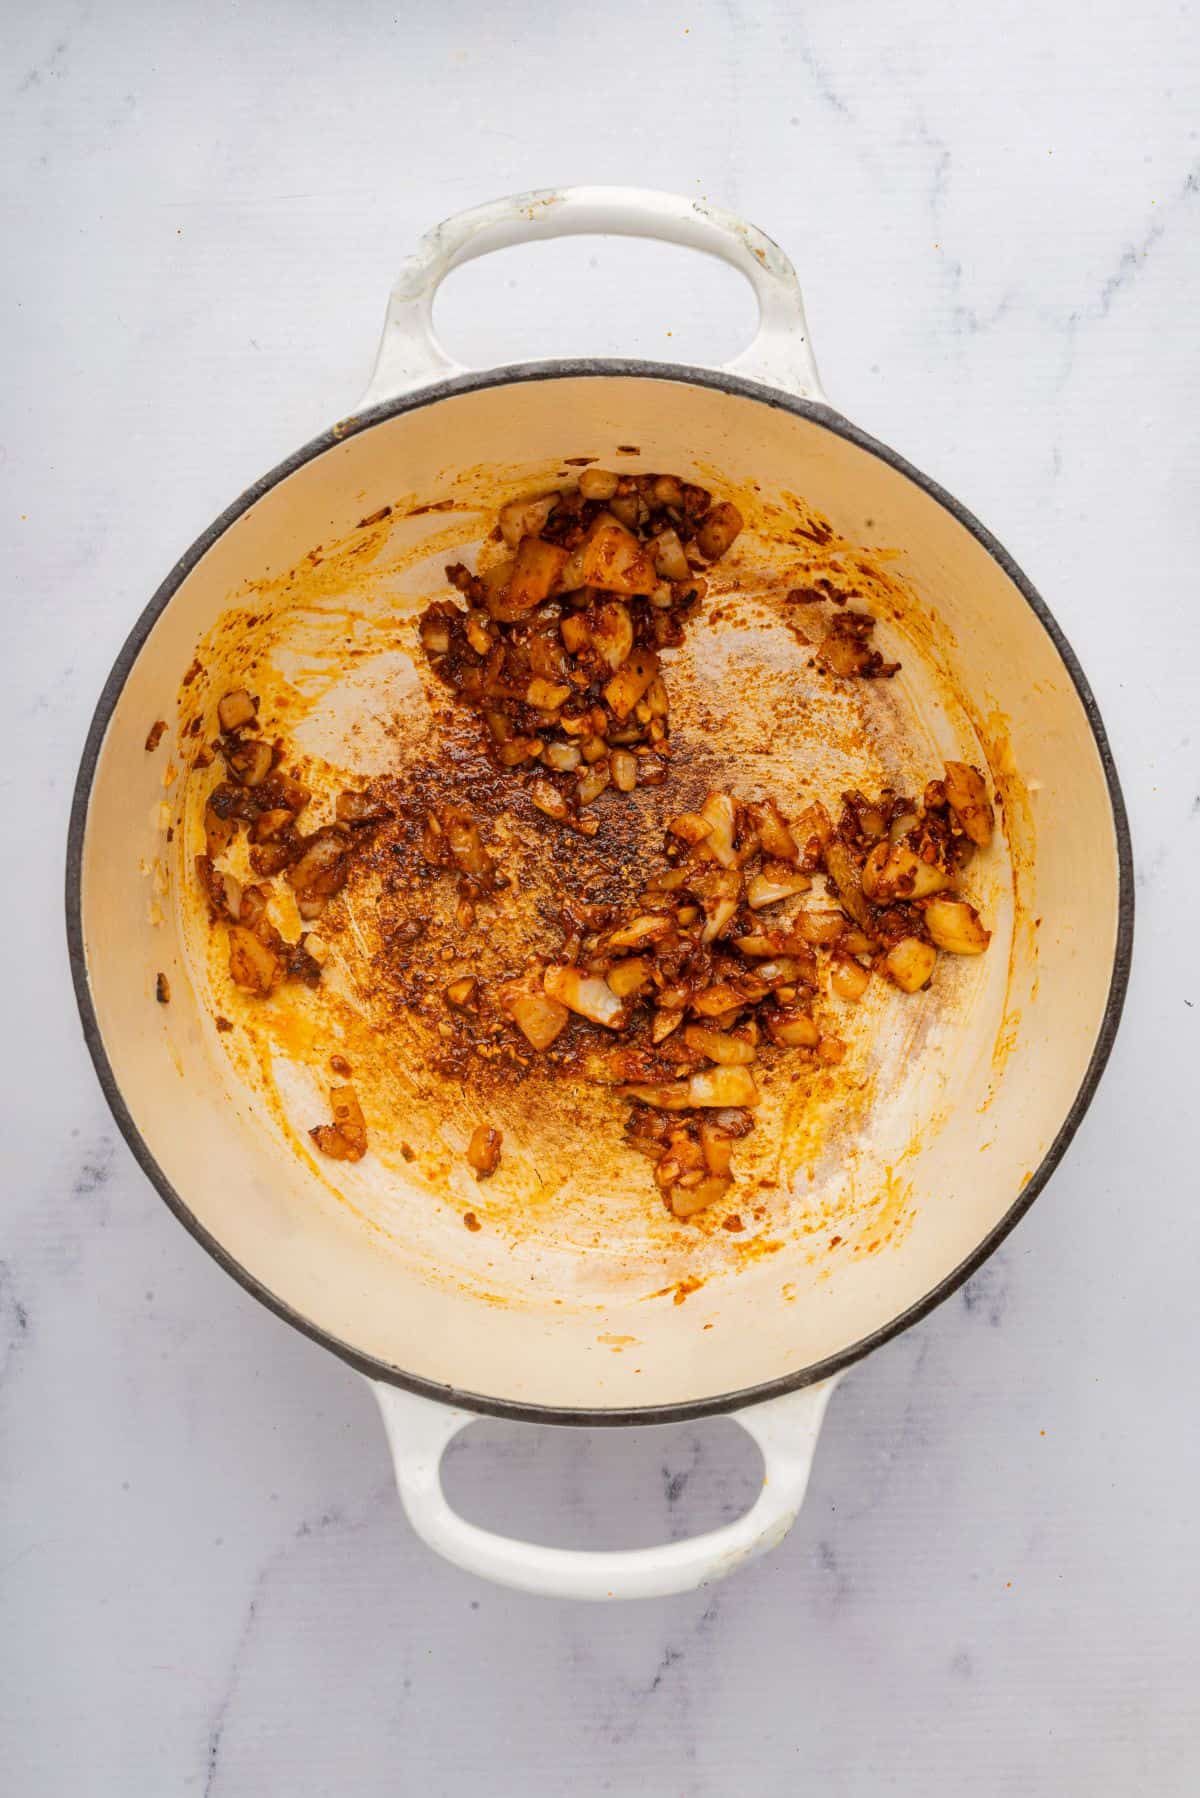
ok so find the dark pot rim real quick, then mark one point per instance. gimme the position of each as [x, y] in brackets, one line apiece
[818, 413]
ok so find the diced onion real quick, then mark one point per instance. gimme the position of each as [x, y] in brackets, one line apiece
[686, 1201]
[823, 927]
[592, 782]
[773, 833]
[722, 1086]
[548, 799]
[769, 889]
[669, 559]
[910, 962]
[720, 915]
[848, 978]
[650, 927]
[966, 792]
[535, 574]
[612, 558]
[727, 1051]
[690, 827]
[321, 869]
[611, 631]
[218, 832]
[720, 815]
[483, 1150]
[792, 1030]
[624, 770]
[894, 871]
[519, 749]
[710, 1088]
[538, 1017]
[598, 483]
[721, 526]
[665, 1022]
[844, 869]
[759, 944]
[630, 977]
[562, 757]
[525, 517]
[546, 695]
[781, 970]
[254, 966]
[716, 1000]
[717, 1146]
[955, 926]
[576, 632]
[235, 709]
[587, 994]
[346, 1138]
[250, 762]
[631, 681]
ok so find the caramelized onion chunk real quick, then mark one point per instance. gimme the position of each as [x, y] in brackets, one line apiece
[346, 1138]
[483, 1151]
[966, 794]
[255, 967]
[236, 709]
[955, 926]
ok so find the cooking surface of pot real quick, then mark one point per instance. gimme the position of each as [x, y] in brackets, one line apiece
[569, 1295]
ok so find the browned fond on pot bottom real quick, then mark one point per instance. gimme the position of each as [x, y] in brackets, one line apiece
[333, 656]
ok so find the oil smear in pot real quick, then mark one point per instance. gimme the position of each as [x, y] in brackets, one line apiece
[559, 899]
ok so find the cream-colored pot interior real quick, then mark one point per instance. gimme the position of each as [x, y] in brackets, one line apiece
[574, 1301]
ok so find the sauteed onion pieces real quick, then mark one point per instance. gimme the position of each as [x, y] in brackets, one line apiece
[750, 932]
[557, 646]
[722, 959]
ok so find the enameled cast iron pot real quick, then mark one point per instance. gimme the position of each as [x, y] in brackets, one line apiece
[1006, 1076]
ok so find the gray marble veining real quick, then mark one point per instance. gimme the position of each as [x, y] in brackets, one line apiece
[206, 1584]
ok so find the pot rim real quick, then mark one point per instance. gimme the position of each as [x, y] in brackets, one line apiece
[821, 414]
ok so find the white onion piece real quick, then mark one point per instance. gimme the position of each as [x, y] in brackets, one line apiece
[587, 994]
[955, 926]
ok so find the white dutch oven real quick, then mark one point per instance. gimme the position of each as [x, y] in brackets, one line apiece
[1015, 1072]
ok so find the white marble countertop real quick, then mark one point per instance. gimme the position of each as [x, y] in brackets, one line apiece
[206, 1581]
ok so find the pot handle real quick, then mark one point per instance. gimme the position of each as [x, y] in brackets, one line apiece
[410, 356]
[785, 1429]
